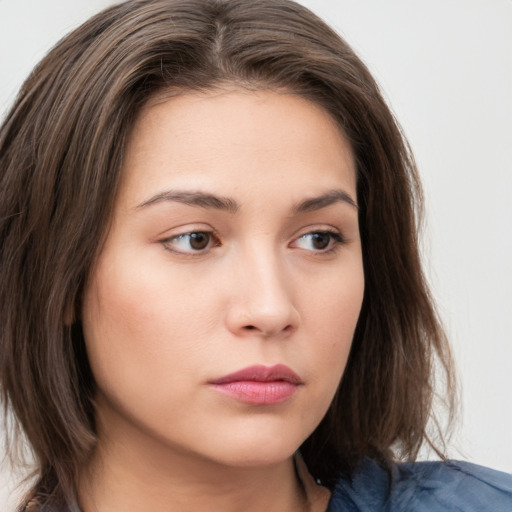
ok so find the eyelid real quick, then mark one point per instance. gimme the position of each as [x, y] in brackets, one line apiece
[213, 242]
[337, 238]
[318, 228]
[335, 233]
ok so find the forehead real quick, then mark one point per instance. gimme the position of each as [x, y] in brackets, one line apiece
[229, 138]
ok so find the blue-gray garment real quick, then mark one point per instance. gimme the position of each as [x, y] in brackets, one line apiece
[423, 487]
[414, 487]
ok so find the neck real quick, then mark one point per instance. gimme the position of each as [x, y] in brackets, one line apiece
[131, 477]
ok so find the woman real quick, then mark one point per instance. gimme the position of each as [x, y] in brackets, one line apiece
[210, 280]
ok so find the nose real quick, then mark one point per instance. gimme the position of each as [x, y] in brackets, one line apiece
[261, 302]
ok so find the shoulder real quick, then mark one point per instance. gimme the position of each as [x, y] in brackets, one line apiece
[423, 486]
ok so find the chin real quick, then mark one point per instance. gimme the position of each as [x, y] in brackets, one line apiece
[258, 450]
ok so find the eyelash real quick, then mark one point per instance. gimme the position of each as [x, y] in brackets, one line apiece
[336, 240]
[213, 240]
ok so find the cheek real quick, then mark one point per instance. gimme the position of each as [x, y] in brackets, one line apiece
[334, 306]
[143, 324]
[332, 315]
[134, 302]
[119, 319]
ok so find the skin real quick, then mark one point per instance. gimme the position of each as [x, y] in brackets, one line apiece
[162, 318]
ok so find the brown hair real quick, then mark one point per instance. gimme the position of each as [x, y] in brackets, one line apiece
[61, 149]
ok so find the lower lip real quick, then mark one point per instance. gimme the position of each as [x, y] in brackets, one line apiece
[258, 393]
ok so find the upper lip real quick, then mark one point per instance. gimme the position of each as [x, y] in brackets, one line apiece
[260, 373]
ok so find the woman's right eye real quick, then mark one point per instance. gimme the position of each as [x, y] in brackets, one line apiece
[194, 242]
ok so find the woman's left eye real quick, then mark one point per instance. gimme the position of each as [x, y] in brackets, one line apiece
[319, 241]
[191, 243]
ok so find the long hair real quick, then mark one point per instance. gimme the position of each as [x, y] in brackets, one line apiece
[61, 151]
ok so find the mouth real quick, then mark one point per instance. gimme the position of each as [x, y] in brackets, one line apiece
[259, 385]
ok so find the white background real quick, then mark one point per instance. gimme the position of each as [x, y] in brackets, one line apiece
[446, 68]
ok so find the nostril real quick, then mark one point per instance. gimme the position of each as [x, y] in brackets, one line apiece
[268, 334]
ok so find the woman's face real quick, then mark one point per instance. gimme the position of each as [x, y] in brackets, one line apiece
[220, 313]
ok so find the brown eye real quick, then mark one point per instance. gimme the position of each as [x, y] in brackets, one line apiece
[190, 243]
[199, 241]
[319, 241]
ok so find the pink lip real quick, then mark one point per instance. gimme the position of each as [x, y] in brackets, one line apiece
[259, 385]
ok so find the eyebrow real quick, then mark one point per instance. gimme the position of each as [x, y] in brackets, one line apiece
[206, 200]
[201, 199]
[327, 199]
